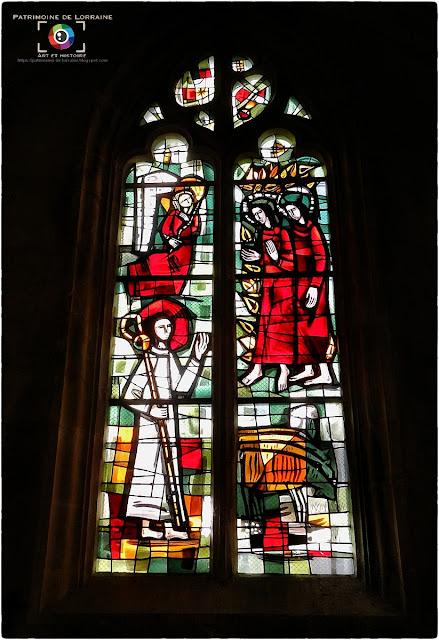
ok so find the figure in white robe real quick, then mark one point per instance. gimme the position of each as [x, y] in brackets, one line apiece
[151, 484]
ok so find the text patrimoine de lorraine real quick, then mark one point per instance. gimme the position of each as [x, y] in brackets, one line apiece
[63, 17]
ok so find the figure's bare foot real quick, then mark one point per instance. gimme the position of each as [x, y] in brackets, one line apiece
[318, 380]
[147, 532]
[254, 374]
[174, 534]
[282, 381]
[323, 378]
[306, 373]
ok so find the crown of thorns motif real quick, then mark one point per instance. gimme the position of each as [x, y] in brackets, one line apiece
[258, 178]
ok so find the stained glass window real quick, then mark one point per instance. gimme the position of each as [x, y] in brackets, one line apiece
[293, 501]
[293, 497]
[155, 507]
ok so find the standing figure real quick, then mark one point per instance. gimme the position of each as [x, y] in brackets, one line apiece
[179, 232]
[275, 339]
[311, 259]
[156, 492]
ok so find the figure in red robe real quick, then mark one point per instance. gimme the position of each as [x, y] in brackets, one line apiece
[275, 334]
[311, 262]
[179, 232]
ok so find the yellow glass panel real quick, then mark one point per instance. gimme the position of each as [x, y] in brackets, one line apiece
[119, 474]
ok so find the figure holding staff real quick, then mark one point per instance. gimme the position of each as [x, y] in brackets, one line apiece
[179, 232]
[156, 492]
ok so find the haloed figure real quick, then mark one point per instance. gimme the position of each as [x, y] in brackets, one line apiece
[275, 341]
[179, 232]
[312, 324]
[181, 225]
[156, 493]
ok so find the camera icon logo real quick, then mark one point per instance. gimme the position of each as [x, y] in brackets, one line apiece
[61, 36]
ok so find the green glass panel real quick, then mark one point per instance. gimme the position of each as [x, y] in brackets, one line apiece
[108, 470]
[204, 552]
[129, 197]
[142, 566]
[181, 565]
[273, 567]
[203, 565]
[104, 550]
[200, 484]
[126, 417]
[158, 565]
[208, 172]
[113, 415]
[143, 552]
[206, 458]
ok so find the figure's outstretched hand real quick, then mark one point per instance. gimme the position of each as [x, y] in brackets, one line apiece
[174, 242]
[311, 297]
[160, 413]
[250, 255]
[201, 345]
[271, 250]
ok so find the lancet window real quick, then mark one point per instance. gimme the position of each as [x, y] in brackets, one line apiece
[156, 506]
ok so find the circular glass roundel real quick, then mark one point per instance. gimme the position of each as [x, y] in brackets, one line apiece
[170, 148]
[61, 36]
[241, 64]
[277, 145]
